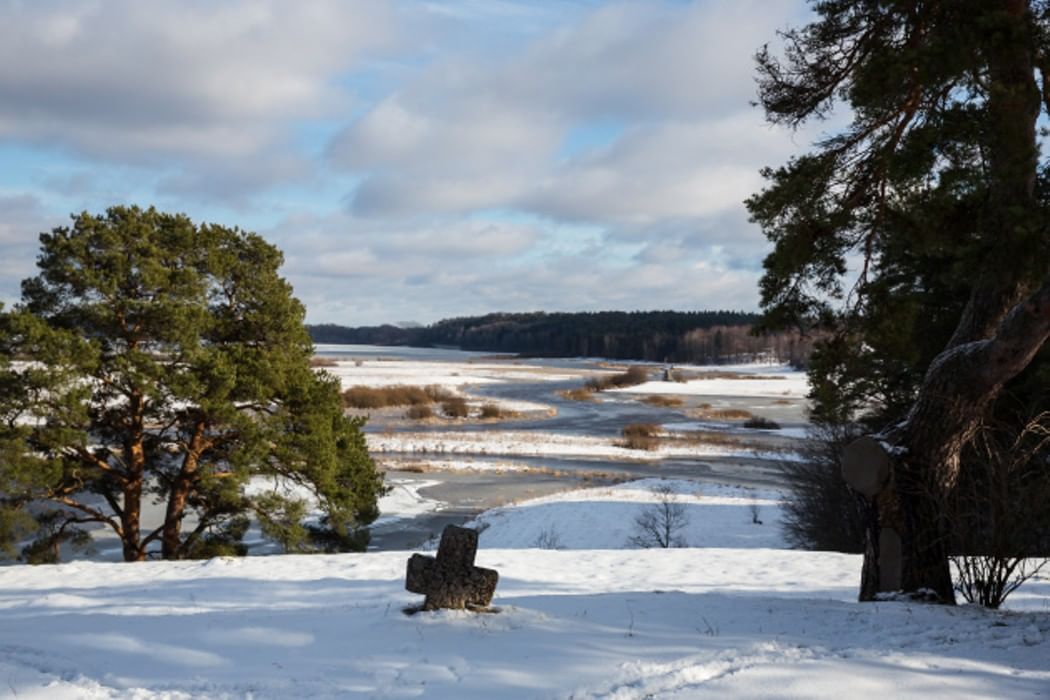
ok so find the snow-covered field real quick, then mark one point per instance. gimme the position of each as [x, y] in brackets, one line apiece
[757, 381]
[535, 443]
[736, 615]
[455, 376]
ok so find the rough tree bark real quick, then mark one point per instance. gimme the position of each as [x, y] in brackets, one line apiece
[1002, 327]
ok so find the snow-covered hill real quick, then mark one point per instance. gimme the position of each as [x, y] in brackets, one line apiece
[738, 616]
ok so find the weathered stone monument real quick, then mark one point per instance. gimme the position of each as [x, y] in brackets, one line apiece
[451, 580]
[867, 466]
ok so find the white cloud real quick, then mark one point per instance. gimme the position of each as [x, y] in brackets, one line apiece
[132, 81]
[473, 132]
[496, 155]
[352, 270]
[22, 219]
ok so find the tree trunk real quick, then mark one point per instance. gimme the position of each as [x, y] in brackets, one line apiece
[135, 460]
[998, 334]
[958, 388]
[131, 521]
[171, 537]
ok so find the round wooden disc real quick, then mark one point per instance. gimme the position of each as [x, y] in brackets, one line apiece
[866, 465]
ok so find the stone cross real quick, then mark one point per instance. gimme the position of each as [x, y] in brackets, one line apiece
[451, 580]
[867, 466]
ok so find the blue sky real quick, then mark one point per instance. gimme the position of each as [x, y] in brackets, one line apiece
[414, 160]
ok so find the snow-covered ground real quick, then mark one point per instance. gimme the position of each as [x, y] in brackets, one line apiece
[737, 615]
[457, 377]
[756, 381]
[541, 444]
[422, 373]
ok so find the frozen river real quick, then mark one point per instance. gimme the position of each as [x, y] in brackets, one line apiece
[448, 493]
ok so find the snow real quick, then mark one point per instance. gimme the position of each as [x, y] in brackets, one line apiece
[794, 432]
[755, 381]
[603, 518]
[736, 615]
[403, 500]
[376, 373]
[541, 444]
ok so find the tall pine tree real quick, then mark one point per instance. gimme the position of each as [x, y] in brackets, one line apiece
[157, 361]
[918, 232]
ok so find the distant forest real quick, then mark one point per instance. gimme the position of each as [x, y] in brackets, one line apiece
[708, 337]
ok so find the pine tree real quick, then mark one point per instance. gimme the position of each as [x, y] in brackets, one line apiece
[935, 194]
[156, 359]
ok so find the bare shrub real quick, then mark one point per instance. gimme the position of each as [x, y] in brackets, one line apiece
[421, 412]
[660, 524]
[455, 407]
[998, 513]
[761, 423]
[663, 401]
[635, 375]
[820, 511]
[322, 362]
[548, 539]
[640, 436]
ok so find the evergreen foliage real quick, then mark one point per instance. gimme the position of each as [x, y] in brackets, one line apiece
[154, 360]
[903, 191]
[917, 236]
[707, 337]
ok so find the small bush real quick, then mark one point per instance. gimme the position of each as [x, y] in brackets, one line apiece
[660, 524]
[761, 423]
[548, 539]
[821, 512]
[421, 412]
[663, 401]
[456, 407]
[640, 436]
[634, 376]
[491, 410]
[997, 513]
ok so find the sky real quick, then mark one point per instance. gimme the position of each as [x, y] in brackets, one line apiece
[414, 160]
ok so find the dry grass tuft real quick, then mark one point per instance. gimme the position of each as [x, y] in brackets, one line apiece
[581, 394]
[491, 411]
[761, 423]
[640, 436]
[419, 412]
[455, 407]
[635, 375]
[706, 411]
[663, 401]
[398, 395]
[323, 362]
[708, 437]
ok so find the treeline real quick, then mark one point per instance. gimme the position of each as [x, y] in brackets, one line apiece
[709, 337]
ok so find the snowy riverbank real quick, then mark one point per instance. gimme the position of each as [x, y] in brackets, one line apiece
[736, 616]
